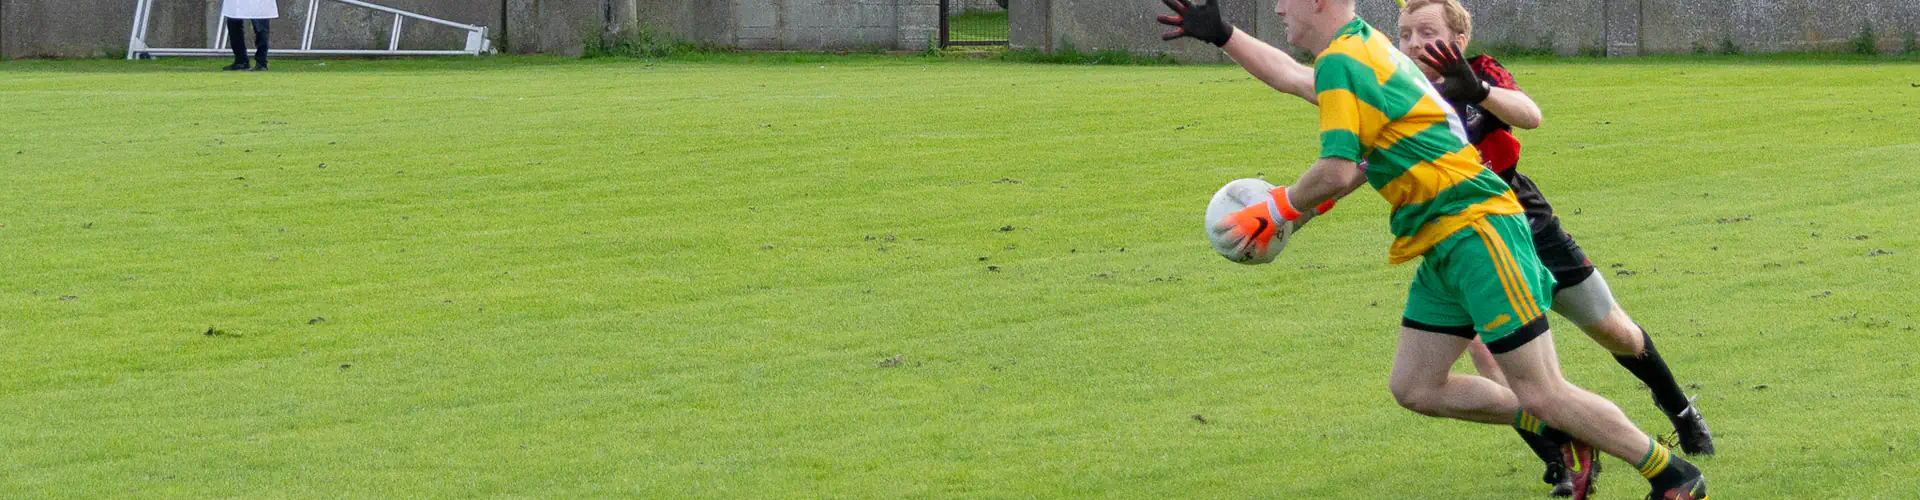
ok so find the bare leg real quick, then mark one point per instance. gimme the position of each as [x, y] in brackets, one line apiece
[1484, 363]
[1533, 370]
[1423, 381]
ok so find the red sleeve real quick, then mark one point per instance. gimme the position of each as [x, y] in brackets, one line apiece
[1491, 71]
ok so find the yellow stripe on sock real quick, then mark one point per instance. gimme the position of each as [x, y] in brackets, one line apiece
[1527, 422]
[1656, 461]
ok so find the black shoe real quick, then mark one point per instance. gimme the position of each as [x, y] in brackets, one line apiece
[1690, 429]
[239, 66]
[261, 67]
[1692, 489]
[1557, 476]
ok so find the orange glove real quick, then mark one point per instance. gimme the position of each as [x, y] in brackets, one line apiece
[1252, 229]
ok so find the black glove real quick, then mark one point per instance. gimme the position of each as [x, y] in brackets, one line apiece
[1462, 86]
[1202, 22]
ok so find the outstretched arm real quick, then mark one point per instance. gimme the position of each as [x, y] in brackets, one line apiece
[1263, 61]
[1271, 65]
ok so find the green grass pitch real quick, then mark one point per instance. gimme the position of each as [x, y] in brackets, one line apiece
[809, 277]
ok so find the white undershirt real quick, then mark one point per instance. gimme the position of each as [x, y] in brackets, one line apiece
[250, 9]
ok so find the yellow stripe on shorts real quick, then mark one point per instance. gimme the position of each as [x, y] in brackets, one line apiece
[1526, 288]
[1532, 309]
[1505, 283]
[1508, 275]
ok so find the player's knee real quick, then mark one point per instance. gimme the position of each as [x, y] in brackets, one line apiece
[1421, 399]
[1613, 330]
[1617, 334]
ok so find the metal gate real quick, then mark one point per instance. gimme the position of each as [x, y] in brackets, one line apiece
[476, 36]
[973, 23]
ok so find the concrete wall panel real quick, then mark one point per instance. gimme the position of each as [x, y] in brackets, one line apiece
[93, 28]
[553, 26]
[1030, 24]
[1093, 25]
[1567, 27]
[916, 24]
[977, 5]
[1679, 26]
[700, 21]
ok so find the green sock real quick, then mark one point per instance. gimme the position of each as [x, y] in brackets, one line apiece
[1656, 461]
[1663, 469]
[1527, 422]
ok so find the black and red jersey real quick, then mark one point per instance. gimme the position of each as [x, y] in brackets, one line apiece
[1499, 149]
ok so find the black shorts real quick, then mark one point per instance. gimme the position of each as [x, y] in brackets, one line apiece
[1560, 254]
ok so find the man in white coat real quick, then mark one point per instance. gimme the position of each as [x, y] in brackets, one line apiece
[258, 11]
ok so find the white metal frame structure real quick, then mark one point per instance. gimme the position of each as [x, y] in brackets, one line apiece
[477, 44]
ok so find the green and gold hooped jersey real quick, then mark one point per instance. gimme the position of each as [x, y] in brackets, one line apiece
[1377, 106]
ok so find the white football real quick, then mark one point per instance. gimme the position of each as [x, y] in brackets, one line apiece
[1231, 198]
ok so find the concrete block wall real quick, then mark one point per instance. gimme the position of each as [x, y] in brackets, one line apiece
[1030, 24]
[917, 24]
[791, 24]
[825, 24]
[1095, 25]
[976, 5]
[553, 26]
[1622, 28]
[78, 28]
[93, 28]
[1680, 26]
[1566, 27]
[699, 21]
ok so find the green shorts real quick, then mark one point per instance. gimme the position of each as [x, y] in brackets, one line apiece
[1484, 280]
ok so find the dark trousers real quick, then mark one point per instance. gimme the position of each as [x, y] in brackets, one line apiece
[237, 38]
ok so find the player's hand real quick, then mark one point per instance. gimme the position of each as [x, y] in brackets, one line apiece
[1202, 22]
[1248, 231]
[1461, 86]
[1255, 225]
